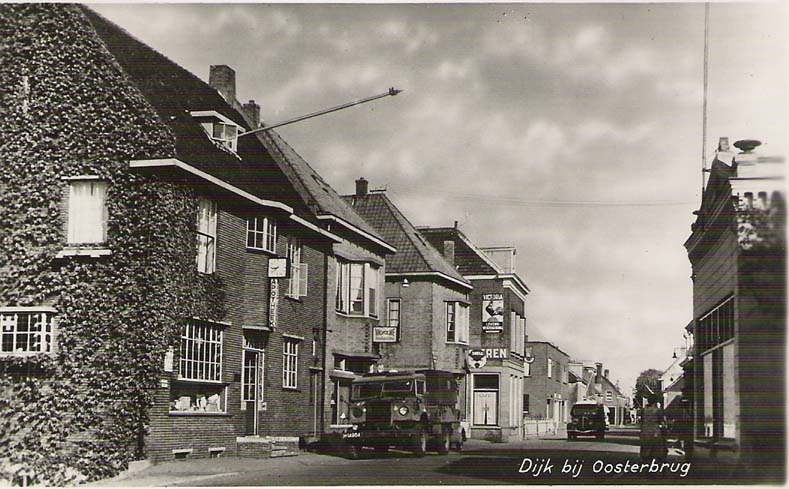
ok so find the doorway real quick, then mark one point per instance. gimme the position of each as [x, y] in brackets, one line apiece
[252, 388]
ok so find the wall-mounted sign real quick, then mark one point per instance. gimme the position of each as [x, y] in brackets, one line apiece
[476, 359]
[384, 334]
[169, 358]
[496, 352]
[273, 304]
[492, 313]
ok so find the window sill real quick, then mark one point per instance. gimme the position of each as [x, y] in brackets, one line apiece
[261, 251]
[295, 299]
[197, 381]
[353, 315]
[291, 389]
[459, 343]
[198, 413]
[86, 252]
[23, 354]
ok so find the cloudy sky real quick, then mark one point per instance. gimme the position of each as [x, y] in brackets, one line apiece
[573, 132]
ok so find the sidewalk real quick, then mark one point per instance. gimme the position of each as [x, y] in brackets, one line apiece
[186, 471]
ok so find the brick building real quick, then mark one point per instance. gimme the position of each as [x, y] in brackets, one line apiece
[737, 249]
[358, 256]
[247, 307]
[426, 317]
[497, 330]
[546, 384]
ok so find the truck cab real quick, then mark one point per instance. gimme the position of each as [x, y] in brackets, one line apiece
[415, 410]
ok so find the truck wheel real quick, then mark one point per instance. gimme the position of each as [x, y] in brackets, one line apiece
[443, 444]
[420, 444]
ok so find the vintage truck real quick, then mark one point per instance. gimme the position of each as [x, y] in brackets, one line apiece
[413, 410]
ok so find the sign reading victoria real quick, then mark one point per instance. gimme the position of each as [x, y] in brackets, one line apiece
[492, 313]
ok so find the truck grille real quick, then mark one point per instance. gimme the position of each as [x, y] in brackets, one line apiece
[379, 412]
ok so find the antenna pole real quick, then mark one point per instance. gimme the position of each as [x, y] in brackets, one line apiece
[391, 93]
[704, 105]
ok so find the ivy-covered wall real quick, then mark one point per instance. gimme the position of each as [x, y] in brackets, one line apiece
[66, 108]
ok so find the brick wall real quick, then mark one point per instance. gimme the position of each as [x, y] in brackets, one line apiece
[247, 289]
[538, 385]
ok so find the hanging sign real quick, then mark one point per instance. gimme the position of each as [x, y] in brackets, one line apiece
[492, 313]
[273, 303]
[476, 358]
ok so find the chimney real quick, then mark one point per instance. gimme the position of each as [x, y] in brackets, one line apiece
[449, 251]
[222, 78]
[252, 110]
[605, 374]
[361, 187]
[599, 373]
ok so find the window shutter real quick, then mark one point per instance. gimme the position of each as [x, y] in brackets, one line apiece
[513, 332]
[302, 285]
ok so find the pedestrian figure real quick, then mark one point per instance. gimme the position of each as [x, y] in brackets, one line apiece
[653, 433]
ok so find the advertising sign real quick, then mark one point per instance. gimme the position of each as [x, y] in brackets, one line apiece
[384, 334]
[273, 303]
[492, 313]
[476, 358]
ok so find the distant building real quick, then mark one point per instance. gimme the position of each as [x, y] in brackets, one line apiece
[593, 384]
[737, 249]
[497, 333]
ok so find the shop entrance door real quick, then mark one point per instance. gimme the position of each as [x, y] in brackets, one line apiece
[252, 388]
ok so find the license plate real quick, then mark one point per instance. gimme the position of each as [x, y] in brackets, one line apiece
[355, 434]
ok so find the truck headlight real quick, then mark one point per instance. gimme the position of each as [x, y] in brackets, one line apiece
[403, 410]
[358, 412]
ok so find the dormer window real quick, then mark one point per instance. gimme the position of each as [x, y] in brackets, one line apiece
[219, 128]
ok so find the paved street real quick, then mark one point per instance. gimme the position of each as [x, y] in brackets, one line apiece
[584, 462]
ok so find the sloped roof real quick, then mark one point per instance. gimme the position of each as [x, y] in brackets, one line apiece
[468, 258]
[414, 252]
[316, 192]
[174, 92]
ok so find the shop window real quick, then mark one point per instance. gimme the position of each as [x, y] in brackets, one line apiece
[206, 235]
[87, 212]
[525, 404]
[262, 234]
[198, 387]
[201, 353]
[486, 399]
[297, 283]
[717, 326]
[290, 363]
[25, 331]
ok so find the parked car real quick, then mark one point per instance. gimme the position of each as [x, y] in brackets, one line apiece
[587, 419]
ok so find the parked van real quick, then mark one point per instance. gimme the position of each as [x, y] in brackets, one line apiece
[587, 419]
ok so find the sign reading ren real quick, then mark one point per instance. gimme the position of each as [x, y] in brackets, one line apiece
[496, 352]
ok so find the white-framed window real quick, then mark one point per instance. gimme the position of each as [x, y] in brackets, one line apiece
[200, 356]
[290, 363]
[341, 298]
[550, 368]
[358, 288]
[206, 235]
[26, 331]
[393, 314]
[87, 211]
[222, 133]
[609, 396]
[297, 283]
[371, 281]
[262, 234]
[457, 322]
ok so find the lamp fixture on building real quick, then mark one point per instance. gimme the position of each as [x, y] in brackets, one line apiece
[674, 356]
[406, 283]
